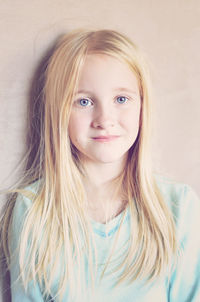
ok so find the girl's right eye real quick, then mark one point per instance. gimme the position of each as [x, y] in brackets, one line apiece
[84, 102]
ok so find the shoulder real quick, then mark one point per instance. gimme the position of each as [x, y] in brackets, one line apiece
[183, 203]
[25, 196]
[22, 205]
[176, 193]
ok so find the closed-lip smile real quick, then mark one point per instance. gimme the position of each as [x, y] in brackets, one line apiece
[105, 138]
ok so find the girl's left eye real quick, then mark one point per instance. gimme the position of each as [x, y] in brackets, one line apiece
[122, 99]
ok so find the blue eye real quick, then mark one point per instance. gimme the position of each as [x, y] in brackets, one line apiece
[122, 99]
[85, 102]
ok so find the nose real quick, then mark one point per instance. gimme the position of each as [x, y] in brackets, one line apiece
[103, 117]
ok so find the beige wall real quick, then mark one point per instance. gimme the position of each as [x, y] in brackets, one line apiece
[168, 31]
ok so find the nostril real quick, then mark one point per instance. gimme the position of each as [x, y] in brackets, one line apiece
[103, 123]
[96, 124]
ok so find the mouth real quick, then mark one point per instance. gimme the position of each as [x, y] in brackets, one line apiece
[105, 138]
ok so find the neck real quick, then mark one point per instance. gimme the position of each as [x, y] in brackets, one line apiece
[105, 199]
[102, 173]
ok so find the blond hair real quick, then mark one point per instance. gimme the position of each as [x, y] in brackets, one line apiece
[57, 216]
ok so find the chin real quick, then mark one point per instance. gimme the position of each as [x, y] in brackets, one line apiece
[104, 157]
[109, 159]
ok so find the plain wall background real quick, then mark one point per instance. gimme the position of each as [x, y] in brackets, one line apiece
[167, 31]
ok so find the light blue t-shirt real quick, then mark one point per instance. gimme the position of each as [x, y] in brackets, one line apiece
[184, 283]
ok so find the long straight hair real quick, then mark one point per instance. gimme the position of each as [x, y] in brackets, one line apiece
[57, 219]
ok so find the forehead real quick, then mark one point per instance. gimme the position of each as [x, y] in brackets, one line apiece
[101, 70]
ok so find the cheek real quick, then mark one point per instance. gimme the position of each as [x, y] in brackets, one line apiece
[73, 127]
[78, 124]
[132, 121]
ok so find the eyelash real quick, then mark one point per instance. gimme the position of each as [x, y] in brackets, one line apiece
[85, 99]
[122, 97]
[91, 103]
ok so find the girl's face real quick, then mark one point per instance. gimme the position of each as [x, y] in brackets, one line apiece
[105, 115]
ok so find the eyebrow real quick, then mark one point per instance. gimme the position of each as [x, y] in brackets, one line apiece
[123, 89]
[83, 91]
[126, 90]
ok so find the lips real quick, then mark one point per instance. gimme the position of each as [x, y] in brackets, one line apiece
[105, 138]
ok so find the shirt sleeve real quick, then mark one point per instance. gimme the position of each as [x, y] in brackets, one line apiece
[184, 284]
[18, 292]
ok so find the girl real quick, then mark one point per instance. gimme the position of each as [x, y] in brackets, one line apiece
[93, 223]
